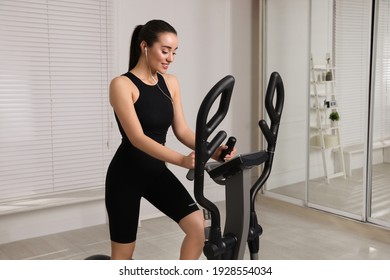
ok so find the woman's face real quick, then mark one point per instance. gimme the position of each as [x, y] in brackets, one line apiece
[162, 53]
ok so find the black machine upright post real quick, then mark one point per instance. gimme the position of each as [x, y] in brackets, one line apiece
[237, 193]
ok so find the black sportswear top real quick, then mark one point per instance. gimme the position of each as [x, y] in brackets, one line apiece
[154, 109]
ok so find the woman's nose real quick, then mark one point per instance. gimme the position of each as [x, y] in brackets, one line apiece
[170, 57]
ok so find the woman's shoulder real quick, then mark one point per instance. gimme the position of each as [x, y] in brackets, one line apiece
[171, 80]
[121, 81]
[172, 84]
[121, 86]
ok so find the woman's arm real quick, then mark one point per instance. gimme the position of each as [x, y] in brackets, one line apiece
[123, 94]
[179, 126]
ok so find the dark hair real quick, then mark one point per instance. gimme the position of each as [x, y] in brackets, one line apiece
[148, 33]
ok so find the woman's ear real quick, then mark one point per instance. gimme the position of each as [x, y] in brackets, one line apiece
[143, 46]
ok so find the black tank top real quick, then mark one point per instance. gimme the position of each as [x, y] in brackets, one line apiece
[154, 109]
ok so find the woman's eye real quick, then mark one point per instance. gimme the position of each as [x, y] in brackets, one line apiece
[165, 52]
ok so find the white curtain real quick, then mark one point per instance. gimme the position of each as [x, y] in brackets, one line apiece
[55, 119]
[382, 71]
[352, 36]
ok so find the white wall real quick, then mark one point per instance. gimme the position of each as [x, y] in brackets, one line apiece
[287, 52]
[321, 30]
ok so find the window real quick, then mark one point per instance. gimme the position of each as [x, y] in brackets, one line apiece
[55, 118]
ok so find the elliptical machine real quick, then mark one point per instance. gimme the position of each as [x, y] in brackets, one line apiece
[241, 225]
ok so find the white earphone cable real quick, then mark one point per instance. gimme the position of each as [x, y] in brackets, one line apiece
[158, 86]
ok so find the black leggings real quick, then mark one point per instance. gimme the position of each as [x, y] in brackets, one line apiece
[125, 187]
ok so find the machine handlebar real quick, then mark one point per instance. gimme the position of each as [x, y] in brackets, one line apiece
[274, 112]
[204, 149]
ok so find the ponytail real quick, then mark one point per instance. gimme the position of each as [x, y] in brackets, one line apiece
[135, 50]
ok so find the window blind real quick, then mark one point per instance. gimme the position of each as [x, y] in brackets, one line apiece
[55, 67]
[352, 24]
[382, 78]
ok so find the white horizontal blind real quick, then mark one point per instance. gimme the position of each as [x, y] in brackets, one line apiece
[352, 59]
[55, 66]
[382, 77]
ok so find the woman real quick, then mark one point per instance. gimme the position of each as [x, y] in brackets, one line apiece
[146, 102]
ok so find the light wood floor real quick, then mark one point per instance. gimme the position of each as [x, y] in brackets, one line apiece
[290, 232]
[347, 194]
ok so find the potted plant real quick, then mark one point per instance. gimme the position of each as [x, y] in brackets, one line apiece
[334, 116]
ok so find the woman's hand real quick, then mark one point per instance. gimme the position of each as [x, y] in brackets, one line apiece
[219, 150]
[189, 161]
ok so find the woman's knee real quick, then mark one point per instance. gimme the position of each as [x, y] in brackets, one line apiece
[193, 225]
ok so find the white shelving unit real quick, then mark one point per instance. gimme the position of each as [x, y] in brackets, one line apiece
[325, 134]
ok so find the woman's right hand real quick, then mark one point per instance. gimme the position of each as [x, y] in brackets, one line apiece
[189, 161]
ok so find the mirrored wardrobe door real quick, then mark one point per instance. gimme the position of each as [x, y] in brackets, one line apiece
[286, 48]
[380, 138]
[338, 117]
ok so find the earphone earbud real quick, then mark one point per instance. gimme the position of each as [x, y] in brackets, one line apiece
[146, 51]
